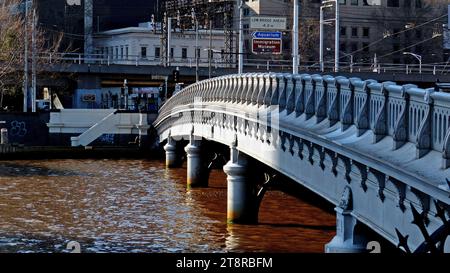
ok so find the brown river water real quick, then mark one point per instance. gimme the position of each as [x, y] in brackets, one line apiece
[139, 206]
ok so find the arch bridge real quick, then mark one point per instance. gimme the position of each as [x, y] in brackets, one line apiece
[378, 151]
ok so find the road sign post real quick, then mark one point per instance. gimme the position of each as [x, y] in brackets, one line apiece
[272, 23]
[266, 35]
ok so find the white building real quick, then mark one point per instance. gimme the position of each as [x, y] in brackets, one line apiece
[141, 45]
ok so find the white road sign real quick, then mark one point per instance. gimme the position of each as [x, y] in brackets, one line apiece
[263, 22]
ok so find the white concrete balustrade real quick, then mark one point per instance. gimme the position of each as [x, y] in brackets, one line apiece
[93, 123]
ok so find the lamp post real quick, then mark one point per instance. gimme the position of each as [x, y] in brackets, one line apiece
[195, 22]
[241, 38]
[328, 4]
[418, 57]
[295, 57]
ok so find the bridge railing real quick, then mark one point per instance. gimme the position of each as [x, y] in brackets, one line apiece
[404, 113]
[249, 64]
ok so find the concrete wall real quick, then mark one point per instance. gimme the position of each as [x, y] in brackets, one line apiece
[26, 128]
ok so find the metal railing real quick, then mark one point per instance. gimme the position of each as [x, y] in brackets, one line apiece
[249, 64]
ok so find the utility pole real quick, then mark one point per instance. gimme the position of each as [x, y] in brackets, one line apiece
[321, 39]
[169, 37]
[33, 63]
[295, 58]
[195, 23]
[241, 38]
[328, 4]
[88, 29]
[163, 53]
[25, 76]
[210, 47]
[197, 51]
[336, 39]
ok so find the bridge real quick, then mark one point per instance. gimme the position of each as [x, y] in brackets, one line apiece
[379, 152]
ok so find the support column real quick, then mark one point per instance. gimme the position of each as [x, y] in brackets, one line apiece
[195, 177]
[346, 241]
[171, 154]
[240, 201]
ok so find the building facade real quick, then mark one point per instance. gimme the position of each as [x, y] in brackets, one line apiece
[142, 45]
[370, 30]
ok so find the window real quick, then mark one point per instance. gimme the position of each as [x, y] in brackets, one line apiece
[184, 53]
[407, 34]
[393, 3]
[143, 52]
[396, 47]
[117, 53]
[343, 31]
[419, 49]
[418, 34]
[354, 2]
[343, 2]
[171, 52]
[419, 4]
[365, 47]
[354, 47]
[127, 52]
[198, 53]
[366, 32]
[343, 47]
[157, 52]
[246, 12]
[407, 3]
[354, 32]
[121, 52]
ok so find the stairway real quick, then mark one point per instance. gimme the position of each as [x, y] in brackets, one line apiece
[105, 125]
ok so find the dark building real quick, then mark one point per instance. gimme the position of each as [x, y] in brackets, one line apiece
[111, 14]
[59, 16]
[67, 16]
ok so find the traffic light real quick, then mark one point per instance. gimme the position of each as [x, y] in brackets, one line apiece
[176, 75]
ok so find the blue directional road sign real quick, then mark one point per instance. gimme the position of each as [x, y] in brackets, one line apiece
[266, 35]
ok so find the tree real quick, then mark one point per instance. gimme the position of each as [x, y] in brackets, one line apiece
[15, 32]
[418, 34]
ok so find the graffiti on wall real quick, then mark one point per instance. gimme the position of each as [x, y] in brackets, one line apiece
[107, 139]
[18, 128]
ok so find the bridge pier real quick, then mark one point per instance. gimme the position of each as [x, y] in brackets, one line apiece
[171, 153]
[347, 240]
[240, 194]
[195, 169]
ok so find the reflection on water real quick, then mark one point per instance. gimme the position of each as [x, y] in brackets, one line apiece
[139, 206]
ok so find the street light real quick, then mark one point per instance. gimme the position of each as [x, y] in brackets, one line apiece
[295, 58]
[241, 37]
[418, 57]
[328, 4]
[195, 22]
